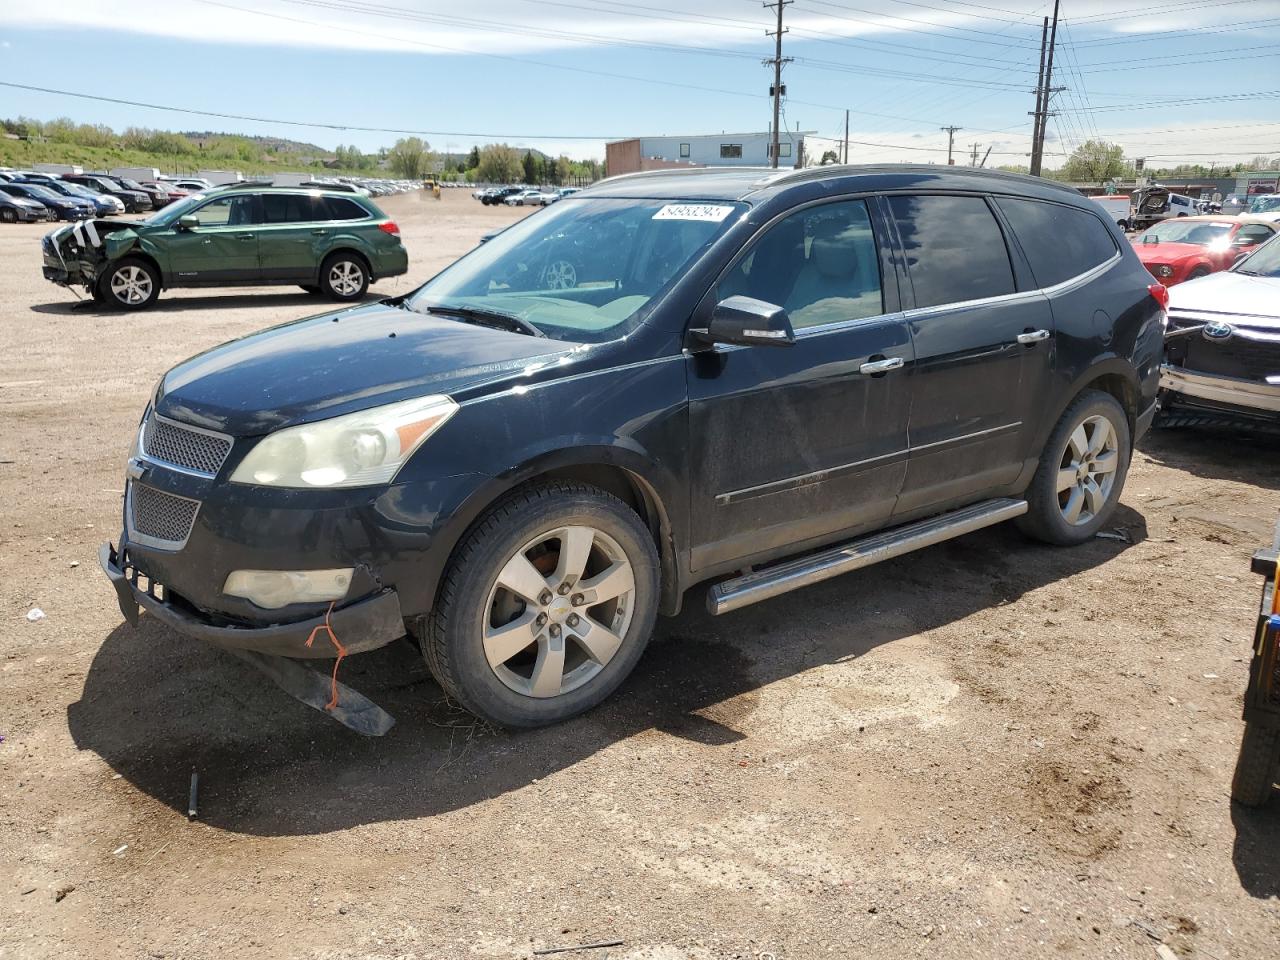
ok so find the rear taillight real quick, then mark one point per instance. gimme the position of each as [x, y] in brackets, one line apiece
[1160, 293]
[390, 228]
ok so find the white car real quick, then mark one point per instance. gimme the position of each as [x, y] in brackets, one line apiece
[1222, 351]
[1266, 206]
[532, 198]
[1116, 207]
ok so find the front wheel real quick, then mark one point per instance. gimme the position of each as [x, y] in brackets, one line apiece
[344, 276]
[129, 284]
[546, 607]
[1082, 471]
[8, 215]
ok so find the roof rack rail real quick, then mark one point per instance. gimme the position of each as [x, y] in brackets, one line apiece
[242, 184]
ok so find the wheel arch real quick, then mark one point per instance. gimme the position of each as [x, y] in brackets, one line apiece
[345, 246]
[1112, 375]
[622, 472]
[137, 252]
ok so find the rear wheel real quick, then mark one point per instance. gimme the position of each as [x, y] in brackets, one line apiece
[546, 607]
[129, 284]
[1081, 473]
[344, 276]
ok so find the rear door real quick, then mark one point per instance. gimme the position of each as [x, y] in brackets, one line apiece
[976, 383]
[223, 248]
[794, 445]
[294, 224]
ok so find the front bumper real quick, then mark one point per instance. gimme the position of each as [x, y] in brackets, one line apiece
[1230, 392]
[360, 626]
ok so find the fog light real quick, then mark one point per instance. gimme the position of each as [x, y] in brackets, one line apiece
[272, 589]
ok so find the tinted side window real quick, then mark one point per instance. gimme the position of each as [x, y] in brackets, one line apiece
[1060, 242]
[340, 209]
[293, 208]
[821, 263]
[955, 250]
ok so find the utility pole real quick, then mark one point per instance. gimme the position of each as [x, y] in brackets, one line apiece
[951, 140]
[846, 136]
[777, 90]
[973, 154]
[1044, 90]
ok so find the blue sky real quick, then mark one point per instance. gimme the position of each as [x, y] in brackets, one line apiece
[566, 75]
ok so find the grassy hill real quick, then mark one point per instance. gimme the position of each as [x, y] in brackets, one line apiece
[24, 153]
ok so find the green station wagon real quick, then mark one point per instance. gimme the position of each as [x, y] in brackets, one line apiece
[323, 241]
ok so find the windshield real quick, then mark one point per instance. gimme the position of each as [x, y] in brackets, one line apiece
[132, 184]
[173, 211]
[1265, 205]
[1263, 262]
[582, 270]
[1179, 231]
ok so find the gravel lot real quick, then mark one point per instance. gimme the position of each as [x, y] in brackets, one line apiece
[991, 748]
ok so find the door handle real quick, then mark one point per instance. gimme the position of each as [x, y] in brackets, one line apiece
[319, 233]
[246, 236]
[873, 367]
[1032, 336]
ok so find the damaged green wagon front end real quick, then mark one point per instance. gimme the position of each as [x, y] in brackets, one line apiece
[76, 254]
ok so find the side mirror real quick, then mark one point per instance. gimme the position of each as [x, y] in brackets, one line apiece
[188, 223]
[748, 322]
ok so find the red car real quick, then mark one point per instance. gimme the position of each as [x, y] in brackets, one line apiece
[1185, 248]
[175, 193]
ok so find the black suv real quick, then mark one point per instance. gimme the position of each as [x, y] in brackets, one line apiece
[135, 201]
[668, 378]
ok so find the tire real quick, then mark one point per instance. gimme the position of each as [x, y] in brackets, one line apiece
[1092, 497]
[344, 276]
[1197, 273]
[1257, 767]
[309, 287]
[472, 642]
[9, 216]
[129, 284]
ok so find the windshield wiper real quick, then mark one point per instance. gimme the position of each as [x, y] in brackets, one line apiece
[488, 318]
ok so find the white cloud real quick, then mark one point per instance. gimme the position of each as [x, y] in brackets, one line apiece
[521, 26]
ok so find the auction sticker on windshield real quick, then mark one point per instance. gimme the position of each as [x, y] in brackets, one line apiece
[693, 211]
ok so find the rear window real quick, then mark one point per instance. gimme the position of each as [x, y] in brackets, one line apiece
[955, 250]
[301, 208]
[1060, 242]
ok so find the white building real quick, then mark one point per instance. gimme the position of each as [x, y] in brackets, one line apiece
[705, 150]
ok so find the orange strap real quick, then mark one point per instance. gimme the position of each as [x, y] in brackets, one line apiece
[342, 652]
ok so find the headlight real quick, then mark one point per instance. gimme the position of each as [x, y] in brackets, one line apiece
[1164, 270]
[357, 450]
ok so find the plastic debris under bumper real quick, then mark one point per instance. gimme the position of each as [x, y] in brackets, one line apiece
[1231, 390]
[364, 625]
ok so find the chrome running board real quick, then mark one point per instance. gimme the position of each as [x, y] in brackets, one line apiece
[789, 575]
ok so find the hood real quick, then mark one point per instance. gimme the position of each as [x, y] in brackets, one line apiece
[342, 362]
[1166, 251]
[1255, 301]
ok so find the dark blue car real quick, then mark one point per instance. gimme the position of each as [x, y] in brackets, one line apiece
[103, 206]
[59, 207]
[669, 378]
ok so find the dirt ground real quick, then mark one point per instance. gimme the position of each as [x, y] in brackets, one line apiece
[988, 749]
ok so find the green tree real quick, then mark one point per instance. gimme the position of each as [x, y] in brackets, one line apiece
[564, 169]
[530, 168]
[1094, 161]
[410, 158]
[829, 156]
[499, 163]
[473, 159]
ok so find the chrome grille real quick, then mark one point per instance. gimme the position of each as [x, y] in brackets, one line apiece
[201, 451]
[160, 519]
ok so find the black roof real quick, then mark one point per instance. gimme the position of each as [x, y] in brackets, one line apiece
[757, 183]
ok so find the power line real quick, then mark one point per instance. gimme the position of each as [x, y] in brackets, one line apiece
[778, 61]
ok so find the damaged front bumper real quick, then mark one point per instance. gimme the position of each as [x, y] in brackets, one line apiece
[363, 625]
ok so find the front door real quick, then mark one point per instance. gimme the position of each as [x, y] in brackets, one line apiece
[983, 351]
[791, 446]
[223, 248]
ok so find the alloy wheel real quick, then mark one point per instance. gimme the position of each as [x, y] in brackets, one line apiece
[346, 278]
[558, 611]
[8, 216]
[131, 285]
[1087, 472]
